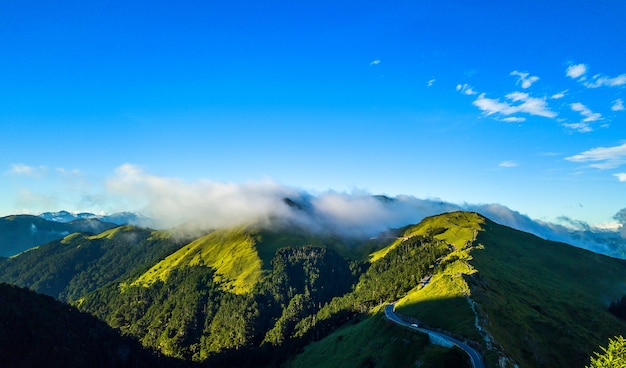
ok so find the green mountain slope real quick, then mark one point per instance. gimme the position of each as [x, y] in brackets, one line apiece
[537, 302]
[240, 255]
[21, 232]
[191, 315]
[79, 263]
[375, 342]
[252, 297]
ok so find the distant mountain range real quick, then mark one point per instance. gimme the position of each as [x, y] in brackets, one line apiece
[21, 232]
[120, 218]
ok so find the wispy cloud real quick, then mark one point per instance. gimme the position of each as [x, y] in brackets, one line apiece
[375, 62]
[602, 157]
[604, 81]
[524, 78]
[508, 164]
[431, 82]
[579, 127]
[465, 89]
[513, 119]
[524, 104]
[618, 105]
[620, 176]
[579, 71]
[576, 71]
[559, 95]
[589, 116]
[26, 170]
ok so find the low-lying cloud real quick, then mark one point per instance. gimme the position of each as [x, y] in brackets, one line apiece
[204, 205]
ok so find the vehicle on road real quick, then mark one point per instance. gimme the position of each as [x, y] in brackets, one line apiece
[475, 357]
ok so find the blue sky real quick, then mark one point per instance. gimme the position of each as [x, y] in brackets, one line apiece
[516, 104]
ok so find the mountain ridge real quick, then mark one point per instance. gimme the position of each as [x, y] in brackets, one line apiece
[118, 218]
[460, 272]
[21, 232]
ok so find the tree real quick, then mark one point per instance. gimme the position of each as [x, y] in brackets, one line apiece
[614, 356]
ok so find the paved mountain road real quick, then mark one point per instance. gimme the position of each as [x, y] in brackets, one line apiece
[475, 358]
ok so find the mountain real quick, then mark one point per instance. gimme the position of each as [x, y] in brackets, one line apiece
[38, 331]
[283, 296]
[524, 299]
[120, 218]
[21, 232]
[80, 263]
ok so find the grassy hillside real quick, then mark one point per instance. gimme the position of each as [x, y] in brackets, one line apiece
[442, 303]
[543, 303]
[231, 252]
[554, 295]
[240, 255]
[78, 264]
[375, 342]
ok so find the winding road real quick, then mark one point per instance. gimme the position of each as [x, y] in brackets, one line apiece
[475, 358]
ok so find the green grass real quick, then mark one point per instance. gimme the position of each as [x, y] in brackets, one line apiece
[456, 228]
[111, 233]
[231, 252]
[239, 255]
[546, 302]
[443, 303]
[373, 341]
[68, 239]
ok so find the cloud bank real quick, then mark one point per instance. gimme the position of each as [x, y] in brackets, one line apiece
[204, 205]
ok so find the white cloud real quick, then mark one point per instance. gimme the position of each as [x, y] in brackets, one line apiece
[209, 204]
[620, 176]
[508, 164]
[525, 78]
[466, 89]
[431, 82]
[171, 201]
[375, 62]
[580, 127]
[618, 105]
[526, 104]
[26, 170]
[602, 157]
[561, 94]
[604, 81]
[589, 115]
[513, 119]
[576, 71]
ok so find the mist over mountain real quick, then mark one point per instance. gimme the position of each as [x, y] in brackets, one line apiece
[195, 207]
[169, 202]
